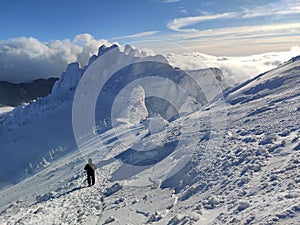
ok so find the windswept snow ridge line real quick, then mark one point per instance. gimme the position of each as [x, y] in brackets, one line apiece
[162, 94]
[49, 119]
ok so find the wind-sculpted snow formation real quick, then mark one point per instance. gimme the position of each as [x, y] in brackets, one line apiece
[34, 134]
[233, 160]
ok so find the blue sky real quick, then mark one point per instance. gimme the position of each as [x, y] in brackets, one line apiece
[53, 33]
[196, 25]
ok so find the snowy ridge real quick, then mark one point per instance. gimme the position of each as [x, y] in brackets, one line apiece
[266, 83]
[49, 119]
[246, 172]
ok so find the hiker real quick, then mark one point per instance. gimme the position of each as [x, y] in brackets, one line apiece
[90, 170]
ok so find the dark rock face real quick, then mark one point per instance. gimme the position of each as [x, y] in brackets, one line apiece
[15, 94]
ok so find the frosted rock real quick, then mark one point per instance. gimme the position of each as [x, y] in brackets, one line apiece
[68, 79]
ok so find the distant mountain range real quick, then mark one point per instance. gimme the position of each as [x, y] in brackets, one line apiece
[15, 94]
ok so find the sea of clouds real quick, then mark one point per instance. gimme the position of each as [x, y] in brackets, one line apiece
[235, 69]
[25, 59]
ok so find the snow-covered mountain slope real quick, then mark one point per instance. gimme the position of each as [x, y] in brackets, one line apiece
[33, 135]
[274, 82]
[235, 161]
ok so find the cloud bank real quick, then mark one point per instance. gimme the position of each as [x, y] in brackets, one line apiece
[25, 59]
[235, 69]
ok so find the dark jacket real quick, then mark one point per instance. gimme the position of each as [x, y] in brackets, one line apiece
[90, 169]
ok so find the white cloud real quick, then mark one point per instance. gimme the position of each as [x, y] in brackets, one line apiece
[26, 58]
[142, 34]
[235, 69]
[244, 40]
[179, 23]
[183, 10]
[169, 1]
[286, 7]
[244, 31]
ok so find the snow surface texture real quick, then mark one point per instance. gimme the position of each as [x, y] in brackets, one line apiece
[242, 167]
[49, 119]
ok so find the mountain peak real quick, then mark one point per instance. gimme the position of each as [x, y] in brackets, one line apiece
[103, 49]
[294, 59]
[68, 79]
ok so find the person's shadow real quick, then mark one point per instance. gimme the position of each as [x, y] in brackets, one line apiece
[135, 161]
[71, 191]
